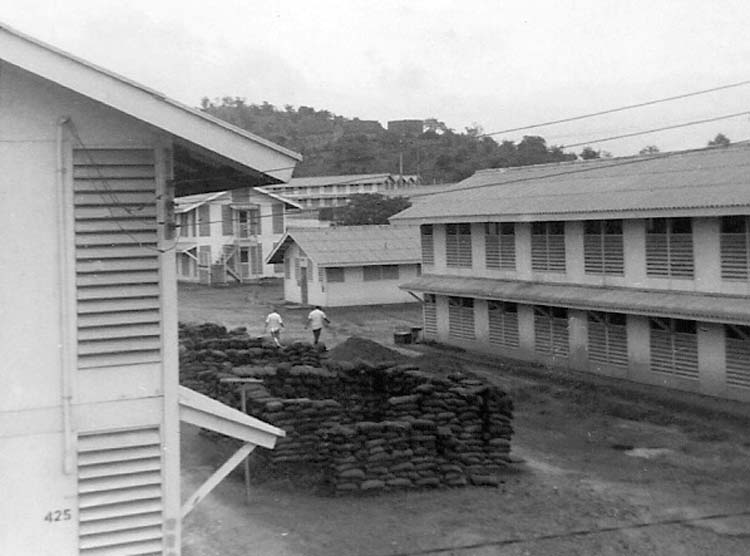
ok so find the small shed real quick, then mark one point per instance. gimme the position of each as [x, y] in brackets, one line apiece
[348, 265]
[90, 408]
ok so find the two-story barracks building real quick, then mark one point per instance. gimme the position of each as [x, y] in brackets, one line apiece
[636, 268]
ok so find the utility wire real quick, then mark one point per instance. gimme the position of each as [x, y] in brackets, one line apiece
[654, 130]
[618, 109]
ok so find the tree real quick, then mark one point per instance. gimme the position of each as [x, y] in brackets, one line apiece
[370, 208]
[588, 153]
[649, 149]
[720, 140]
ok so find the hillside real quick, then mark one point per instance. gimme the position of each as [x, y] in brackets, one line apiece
[333, 144]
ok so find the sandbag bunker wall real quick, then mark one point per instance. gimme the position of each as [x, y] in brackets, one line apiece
[368, 426]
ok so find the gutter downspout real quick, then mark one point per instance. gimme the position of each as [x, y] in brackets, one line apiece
[66, 320]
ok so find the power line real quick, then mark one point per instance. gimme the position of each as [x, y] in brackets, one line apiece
[618, 109]
[654, 130]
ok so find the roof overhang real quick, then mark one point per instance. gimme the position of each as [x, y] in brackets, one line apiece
[276, 256]
[667, 304]
[199, 138]
[208, 413]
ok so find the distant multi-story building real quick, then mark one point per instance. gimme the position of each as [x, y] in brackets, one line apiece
[335, 191]
[636, 268]
[224, 236]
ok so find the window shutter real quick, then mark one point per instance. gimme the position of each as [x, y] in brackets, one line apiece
[738, 355]
[430, 314]
[673, 353]
[226, 220]
[607, 342]
[120, 492]
[277, 217]
[461, 318]
[117, 261]
[503, 323]
[204, 220]
[428, 245]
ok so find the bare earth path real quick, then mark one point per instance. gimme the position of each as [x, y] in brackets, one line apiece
[607, 470]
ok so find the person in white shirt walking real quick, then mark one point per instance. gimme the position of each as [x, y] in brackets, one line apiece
[274, 324]
[315, 320]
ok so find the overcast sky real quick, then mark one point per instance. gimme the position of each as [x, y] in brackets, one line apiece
[499, 64]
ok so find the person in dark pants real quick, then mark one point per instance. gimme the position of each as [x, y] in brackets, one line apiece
[315, 320]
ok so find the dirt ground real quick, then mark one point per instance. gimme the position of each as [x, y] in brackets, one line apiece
[607, 468]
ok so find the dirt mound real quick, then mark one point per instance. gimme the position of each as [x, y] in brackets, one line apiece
[367, 350]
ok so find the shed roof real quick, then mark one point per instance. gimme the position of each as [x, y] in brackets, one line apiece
[674, 304]
[203, 135]
[352, 245]
[702, 181]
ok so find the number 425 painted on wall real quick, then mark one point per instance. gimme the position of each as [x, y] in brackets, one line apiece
[58, 515]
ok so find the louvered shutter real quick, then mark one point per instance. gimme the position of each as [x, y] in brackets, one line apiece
[491, 245]
[734, 257]
[120, 493]
[607, 342]
[503, 323]
[673, 353]
[227, 226]
[461, 318]
[428, 246]
[738, 355]
[551, 331]
[430, 314]
[117, 261]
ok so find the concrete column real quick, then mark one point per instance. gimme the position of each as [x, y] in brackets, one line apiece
[438, 240]
[523, 250]
[712, 359]
[526, 330]
[578, 339]
[481, 323]
[707, 254]
[639, 348]
[634, 245]
[574, 266]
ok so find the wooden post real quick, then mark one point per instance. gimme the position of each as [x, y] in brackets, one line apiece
[243, 382]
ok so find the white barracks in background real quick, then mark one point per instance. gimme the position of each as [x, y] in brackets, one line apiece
[348, 265]
[336, 191]
[636, 268]
[90, 407]
[225, 236]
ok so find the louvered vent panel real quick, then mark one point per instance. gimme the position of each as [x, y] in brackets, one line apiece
[503, 327]
[117, 264]
[550, 335]
[460, 322]
[508, 251]
[430, 318]
[119, 493]
[657, 255]
[608, 344]
[492, 250]
[738, 362]
[560, 342]
[539, 252]
[614, 255]
[681, 255]
[593, 259]
[556, 253]
[734, 257]
[674, 354]
[428, 246]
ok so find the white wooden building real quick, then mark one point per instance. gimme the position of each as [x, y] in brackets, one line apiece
[636, 268]
[225, 235]
[90, 406]
[348, 265]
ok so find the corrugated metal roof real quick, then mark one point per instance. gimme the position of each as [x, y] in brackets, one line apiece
[689, 305]
[703, 178]
[353, 245]
[341, 179]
